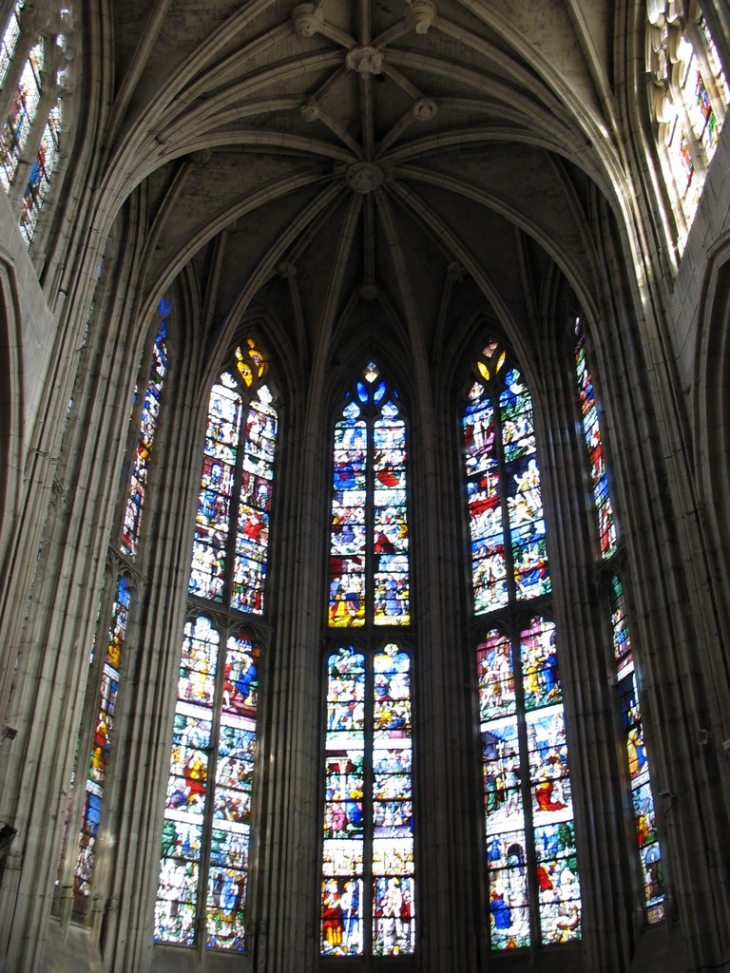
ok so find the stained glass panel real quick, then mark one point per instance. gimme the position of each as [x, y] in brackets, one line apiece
[212, 526]
[147, 427]
[209, 789]
[511, 704]
[368, 805]
[343, 854]
[101, 748]
[594, 442]
[369, 499]
[638, 763]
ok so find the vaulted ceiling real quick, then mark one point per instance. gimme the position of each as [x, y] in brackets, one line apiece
[355, 161]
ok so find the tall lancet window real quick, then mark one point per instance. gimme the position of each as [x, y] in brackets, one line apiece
[534, 894]
[628, 687]
[103, 738]
[367, 893]
[206, 839]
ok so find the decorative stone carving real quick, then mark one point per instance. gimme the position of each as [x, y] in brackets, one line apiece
[365, 60]
[424, 109]
[420, 15]
[308, 20]
[456, 271]
[369, 292]
[310, 110]
[201, 158]
[364, 177]
[286, 270]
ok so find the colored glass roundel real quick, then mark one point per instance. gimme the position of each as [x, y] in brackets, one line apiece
[230, 549]
[527, 795]
[206, 831]
[367, 866]
[369, 566]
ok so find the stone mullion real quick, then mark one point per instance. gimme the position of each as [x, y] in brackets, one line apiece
[149, 690]
[449, 841]
[582, 617]
[660, 537]
[57, 639]
[26, 40]
[49, 96]
[287, 871]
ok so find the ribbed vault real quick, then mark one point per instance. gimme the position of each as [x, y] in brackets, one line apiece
[364, 152]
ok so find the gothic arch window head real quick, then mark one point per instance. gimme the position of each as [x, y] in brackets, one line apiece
[645, 825]
[688, 96]
[534, 888]
[104, 714]
[206, 838]
[369, 559]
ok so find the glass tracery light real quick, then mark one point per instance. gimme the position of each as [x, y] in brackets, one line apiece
[10, 39]
[368, 866]
[369, 561]
[207, 823]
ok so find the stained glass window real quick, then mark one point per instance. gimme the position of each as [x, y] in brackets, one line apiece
[145, 440]
[10, 40]
[201, 897]
[101, 746]
[230, 548]
[638, 762]
[534, 889]
[207, 824]
[16, 129]
[508, 554]
[594, 442]
[689, 97]
[368, 868]
[369, 567]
